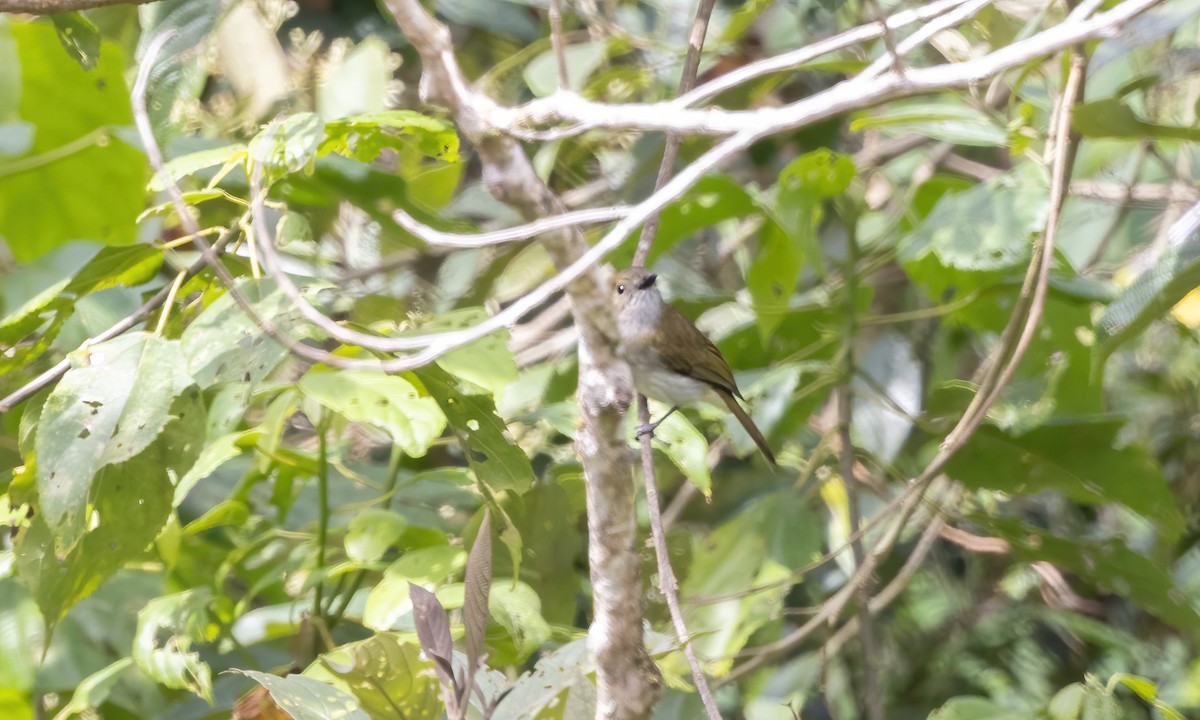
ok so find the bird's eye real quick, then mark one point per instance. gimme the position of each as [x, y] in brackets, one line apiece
[620, 289]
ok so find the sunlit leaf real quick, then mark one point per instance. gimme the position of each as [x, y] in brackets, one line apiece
[372, 533]
[386, 401]
[387, 676]
[108, 408]
[74, 154]
[304, 698]
[491, 453]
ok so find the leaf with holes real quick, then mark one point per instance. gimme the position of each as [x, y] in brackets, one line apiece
[554, 673]
[108, 408]
[387, 676]
[166, 629]
[304, 698]
[131, 502]
[224, 345]
[289, 144]
[491, 453]
[363, 137]
[386, 401]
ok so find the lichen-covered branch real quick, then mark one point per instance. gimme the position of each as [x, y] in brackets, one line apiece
[627, 680]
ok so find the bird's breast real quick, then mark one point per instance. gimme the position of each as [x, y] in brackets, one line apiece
[667, 386]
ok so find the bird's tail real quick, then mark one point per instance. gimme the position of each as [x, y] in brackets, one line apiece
[751, 428]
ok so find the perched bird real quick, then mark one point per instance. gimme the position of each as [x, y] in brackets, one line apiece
[671, 360]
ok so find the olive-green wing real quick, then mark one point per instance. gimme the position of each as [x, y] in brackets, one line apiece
[708, 365]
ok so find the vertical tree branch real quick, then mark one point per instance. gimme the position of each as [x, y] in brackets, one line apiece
[667, 583]
[628, 682]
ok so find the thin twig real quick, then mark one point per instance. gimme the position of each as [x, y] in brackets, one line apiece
[872, 701]
[559, 45]
[667, 582]
[894, 55]
[52, 7]
[691, 65]
[541, 226]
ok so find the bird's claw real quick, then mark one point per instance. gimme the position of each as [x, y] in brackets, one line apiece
[643, 430]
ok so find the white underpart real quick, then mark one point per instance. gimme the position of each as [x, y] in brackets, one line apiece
[671, 388]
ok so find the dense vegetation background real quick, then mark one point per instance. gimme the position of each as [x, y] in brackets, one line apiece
[961, 311]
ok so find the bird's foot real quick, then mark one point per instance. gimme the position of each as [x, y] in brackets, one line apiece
[649, 428]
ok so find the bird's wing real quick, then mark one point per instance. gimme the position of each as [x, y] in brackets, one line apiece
[709, 366]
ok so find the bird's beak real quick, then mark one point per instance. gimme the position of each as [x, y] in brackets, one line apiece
[647, 281]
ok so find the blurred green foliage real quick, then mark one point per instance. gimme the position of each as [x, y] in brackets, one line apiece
[174, 511]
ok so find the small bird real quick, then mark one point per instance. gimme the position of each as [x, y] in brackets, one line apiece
[671, 360]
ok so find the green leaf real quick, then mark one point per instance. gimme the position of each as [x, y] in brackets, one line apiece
[517, 608]
[185, 165]
[76, 181]
[371, 533]
[304, 698]
[1146, 690]
[215, 454]
[109, 407]
[289, 144]
[554, 673]
[130, 503]
[796, 210]
[774, 533]
[129, 265]
[179, 71]
[491, 453]
[385, 401]
[388, 677]
[582, 59]
[1078, 459]
[21, 631]
[984, 228]
[772, 277]
[1148, 298]
[389, 600]
[487, 362]
[90, 694]
[1111, 117]
[363, 137]
[166, 629]
[975, 708]
[79, 37]
[1109, 564]
[223, 344]
[713, 199]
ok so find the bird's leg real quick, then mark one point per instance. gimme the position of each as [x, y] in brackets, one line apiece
[649, 428]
